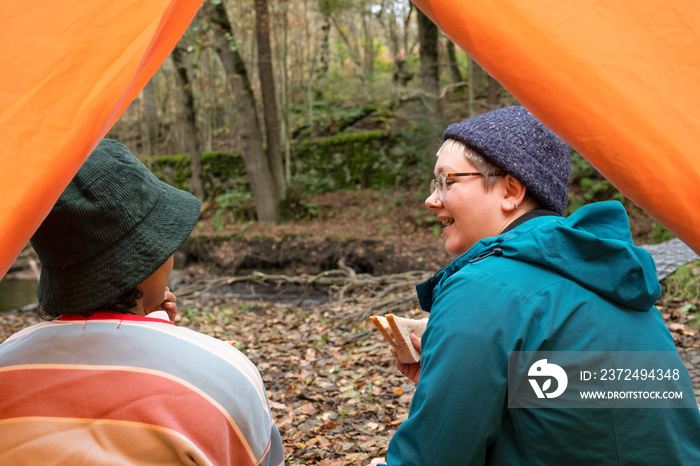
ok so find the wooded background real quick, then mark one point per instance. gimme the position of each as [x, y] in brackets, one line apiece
[304, 96]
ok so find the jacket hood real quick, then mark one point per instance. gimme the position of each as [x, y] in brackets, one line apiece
[592, 247]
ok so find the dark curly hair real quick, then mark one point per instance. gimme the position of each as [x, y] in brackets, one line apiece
[122, 305]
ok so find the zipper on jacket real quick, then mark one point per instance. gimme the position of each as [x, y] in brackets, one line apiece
[498, 252]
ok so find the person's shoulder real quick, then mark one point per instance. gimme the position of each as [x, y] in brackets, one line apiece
[25, 332]
[219, 347]
[492, 272]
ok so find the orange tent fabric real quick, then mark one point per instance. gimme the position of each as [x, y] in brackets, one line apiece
[617, 80]
[70, 68]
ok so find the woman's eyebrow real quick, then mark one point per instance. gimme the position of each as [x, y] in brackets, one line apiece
[446, 169]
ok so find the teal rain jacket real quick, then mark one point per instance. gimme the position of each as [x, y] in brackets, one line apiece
[551, 283]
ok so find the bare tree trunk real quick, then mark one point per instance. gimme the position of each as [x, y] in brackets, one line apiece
[476, 79]
[454, 65]
[389, 15]
[150, 111]
[368, 38]
[494, 92]
[284, 98]
[269, 98]
[428, 34]
[324, 57]
[471, 72]
[257, 167]
[192, 143]
[309, 58]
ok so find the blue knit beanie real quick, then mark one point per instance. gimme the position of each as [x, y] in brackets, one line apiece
[516, 142]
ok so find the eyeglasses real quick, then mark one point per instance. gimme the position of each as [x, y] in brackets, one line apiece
[440, 183]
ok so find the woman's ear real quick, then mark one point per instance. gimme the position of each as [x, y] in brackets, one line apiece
[514, 194]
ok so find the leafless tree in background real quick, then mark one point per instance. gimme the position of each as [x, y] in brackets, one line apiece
[254, 157]
[189, 123]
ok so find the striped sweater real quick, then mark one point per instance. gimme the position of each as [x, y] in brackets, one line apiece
[123, 389]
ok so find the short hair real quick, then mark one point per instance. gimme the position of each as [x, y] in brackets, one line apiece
[482, 164]
[122, 305]
[479, 161]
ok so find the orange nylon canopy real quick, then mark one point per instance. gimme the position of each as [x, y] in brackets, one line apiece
[70, 68]
[617, 80]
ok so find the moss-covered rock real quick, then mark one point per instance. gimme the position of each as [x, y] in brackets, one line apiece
[217, 168]
[360, 159]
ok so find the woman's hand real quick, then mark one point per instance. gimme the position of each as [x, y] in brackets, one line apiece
[412, 371]
[168, 305]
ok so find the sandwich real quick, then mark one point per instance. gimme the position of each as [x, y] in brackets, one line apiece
[397, 331]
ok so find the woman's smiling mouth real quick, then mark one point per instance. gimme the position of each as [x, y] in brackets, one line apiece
[446, 222]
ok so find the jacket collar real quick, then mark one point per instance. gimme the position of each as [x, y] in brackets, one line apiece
[484, 248]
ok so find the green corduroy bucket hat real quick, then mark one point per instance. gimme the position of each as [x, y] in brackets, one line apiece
[114, 225]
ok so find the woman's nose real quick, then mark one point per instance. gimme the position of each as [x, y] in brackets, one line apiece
[433, 201]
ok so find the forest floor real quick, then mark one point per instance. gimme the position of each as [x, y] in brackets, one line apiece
[296, 299]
